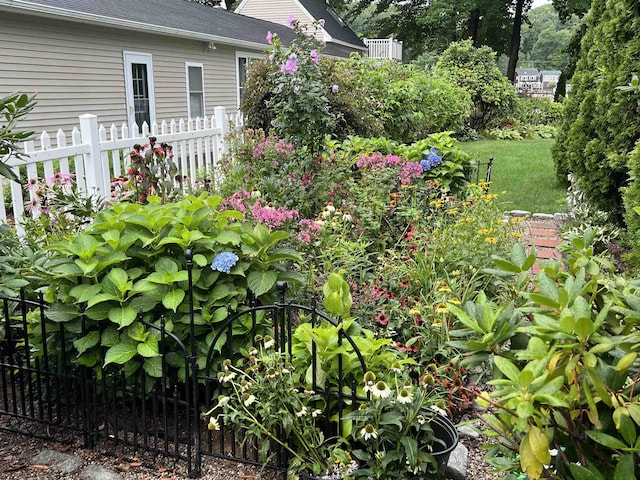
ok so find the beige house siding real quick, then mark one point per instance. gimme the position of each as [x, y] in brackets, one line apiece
[77, 69]
[278, 11]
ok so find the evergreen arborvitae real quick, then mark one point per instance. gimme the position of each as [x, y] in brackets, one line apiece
[602, 123]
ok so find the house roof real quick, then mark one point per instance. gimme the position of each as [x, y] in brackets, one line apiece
[333, 24]
[527, 71]
[550, 72]
[179, 18]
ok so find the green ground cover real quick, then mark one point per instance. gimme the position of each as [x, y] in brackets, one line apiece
[524, 170]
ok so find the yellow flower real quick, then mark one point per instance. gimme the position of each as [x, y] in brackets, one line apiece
[491, 240]
[414, 311]
[444, 288]
[441, 308]
[455, 301]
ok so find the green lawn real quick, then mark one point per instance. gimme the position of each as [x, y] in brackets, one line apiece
[524, 170]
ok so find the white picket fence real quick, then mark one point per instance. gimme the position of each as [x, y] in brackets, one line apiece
[100, 154]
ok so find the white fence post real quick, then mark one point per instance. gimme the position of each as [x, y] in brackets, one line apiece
[96, 172]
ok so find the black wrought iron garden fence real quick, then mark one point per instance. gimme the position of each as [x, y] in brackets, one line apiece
[45, 390]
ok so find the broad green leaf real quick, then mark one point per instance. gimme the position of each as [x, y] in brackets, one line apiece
[580, 473]
[120, 353]
[552, 400]
[87, 266]
[551, 387]
[584, 328]
[229, 237]
[625, 469]
[110, 337]
[153, 366]
[149, 348]
[62, 312]
[173, 299]
[137, 332]
[465, 319]
[90, 340]
[200, 260]
[507, 368]
[505, 265]
[625, 425]
[120, 280]
[261, 282]
[547, 287]
[85, 292]
[606, 439]
[112, 237]
[626, 362]
[122, 316]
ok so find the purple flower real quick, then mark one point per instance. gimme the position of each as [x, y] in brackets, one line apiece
[280, 86]
[291, 21]
[335, 89]
[269, 36]
[224, 261]
[314, 56]
[291, 65]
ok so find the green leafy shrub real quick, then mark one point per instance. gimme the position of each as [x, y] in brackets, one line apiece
[566, 405]
[475, 69]
[538, 111]
[351, 97]
[412, 103]
[601, 121]
[130, 264]
[632, 204]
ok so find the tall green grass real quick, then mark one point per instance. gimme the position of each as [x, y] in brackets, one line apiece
[524, 170]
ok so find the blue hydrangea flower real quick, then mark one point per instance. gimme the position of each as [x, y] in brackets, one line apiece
[224, 261]
[431, 160]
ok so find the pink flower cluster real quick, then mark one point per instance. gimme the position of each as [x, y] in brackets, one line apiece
[410, 171]
[280, 146]
[271, 216]
[377, 161]
[308, 231]
[236, 201]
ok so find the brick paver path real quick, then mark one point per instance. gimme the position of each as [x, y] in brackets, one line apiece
[543, 234]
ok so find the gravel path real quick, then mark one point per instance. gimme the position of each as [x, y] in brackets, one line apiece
[17, 453]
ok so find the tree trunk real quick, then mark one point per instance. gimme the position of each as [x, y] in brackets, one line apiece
[472, 26]
[515, 41]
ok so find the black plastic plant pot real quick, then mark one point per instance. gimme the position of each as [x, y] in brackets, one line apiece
[445, 431]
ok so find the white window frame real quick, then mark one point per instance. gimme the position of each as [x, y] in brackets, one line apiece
[248, 56]
[188, 88]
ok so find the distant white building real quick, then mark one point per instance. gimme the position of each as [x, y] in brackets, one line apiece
[528, 81]
[550, 79]
[536, 83]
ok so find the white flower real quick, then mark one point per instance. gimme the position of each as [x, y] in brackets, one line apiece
[405, 396]
[269, 341]
[253, 352]
[213, 423]
[315, 412]
[369, 381]
[302, 412]
[248, 400]
[347, 217]
[222, 401]
[368, 431]
[381, 390]
[228, 377]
